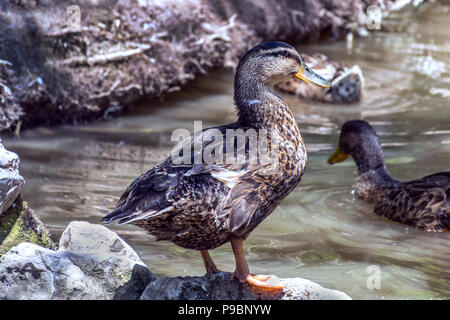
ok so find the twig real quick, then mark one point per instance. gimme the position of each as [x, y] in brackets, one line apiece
[5, 62]
[106, 58]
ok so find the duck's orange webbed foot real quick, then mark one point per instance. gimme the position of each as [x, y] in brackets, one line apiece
[262, 281]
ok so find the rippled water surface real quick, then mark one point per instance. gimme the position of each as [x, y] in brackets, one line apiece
[320, 231]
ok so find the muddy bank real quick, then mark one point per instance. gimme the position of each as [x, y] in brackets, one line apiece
[54, 71]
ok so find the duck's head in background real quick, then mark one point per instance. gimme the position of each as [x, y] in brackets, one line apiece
[359, 140]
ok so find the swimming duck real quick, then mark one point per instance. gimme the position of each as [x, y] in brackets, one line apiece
[201, 205]
[422, 203]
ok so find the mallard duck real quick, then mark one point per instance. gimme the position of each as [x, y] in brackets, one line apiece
[422, 203]
[200, 205]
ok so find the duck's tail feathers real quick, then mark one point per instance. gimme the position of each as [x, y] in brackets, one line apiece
[122, 217]
[114, 215]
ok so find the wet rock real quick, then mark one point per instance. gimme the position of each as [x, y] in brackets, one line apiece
[220, 286]
[91, 263]
[19, 224]
[11, 181]
[346, 82]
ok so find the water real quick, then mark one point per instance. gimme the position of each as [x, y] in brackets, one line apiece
[320, 231]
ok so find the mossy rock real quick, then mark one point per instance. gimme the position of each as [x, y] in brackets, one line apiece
[19, 224]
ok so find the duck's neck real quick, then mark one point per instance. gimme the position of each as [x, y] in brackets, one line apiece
[371, 182]
[372, 170]
[369, 156]
[378, 176]
[259, 106]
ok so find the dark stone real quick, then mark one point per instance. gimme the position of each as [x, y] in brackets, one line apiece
[209, 287]
[132, 290]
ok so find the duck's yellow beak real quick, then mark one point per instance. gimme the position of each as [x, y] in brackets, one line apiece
[337, 156]
[306, 74]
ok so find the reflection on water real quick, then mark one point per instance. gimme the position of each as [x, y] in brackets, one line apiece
[320, 232]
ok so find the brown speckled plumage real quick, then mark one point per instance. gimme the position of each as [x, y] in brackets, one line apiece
[422, 203]
[195, 206]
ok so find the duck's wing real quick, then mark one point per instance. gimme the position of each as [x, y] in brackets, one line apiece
[424, 203]
[172, 187]
[145, 197]
[244, 203]
[166, 189]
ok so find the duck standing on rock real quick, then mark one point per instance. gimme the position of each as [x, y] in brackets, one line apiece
[423, 203]
[204, 205]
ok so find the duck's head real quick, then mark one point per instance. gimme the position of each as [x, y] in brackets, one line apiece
[359, 140]
[272, 62]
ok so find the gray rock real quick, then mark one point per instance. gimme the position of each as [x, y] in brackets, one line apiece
[220, 286]
[91, 263]
[29, 271]
[11, 181]
[18, 223]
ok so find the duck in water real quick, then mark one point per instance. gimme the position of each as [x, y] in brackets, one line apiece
[422, 203]
[201, 205]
